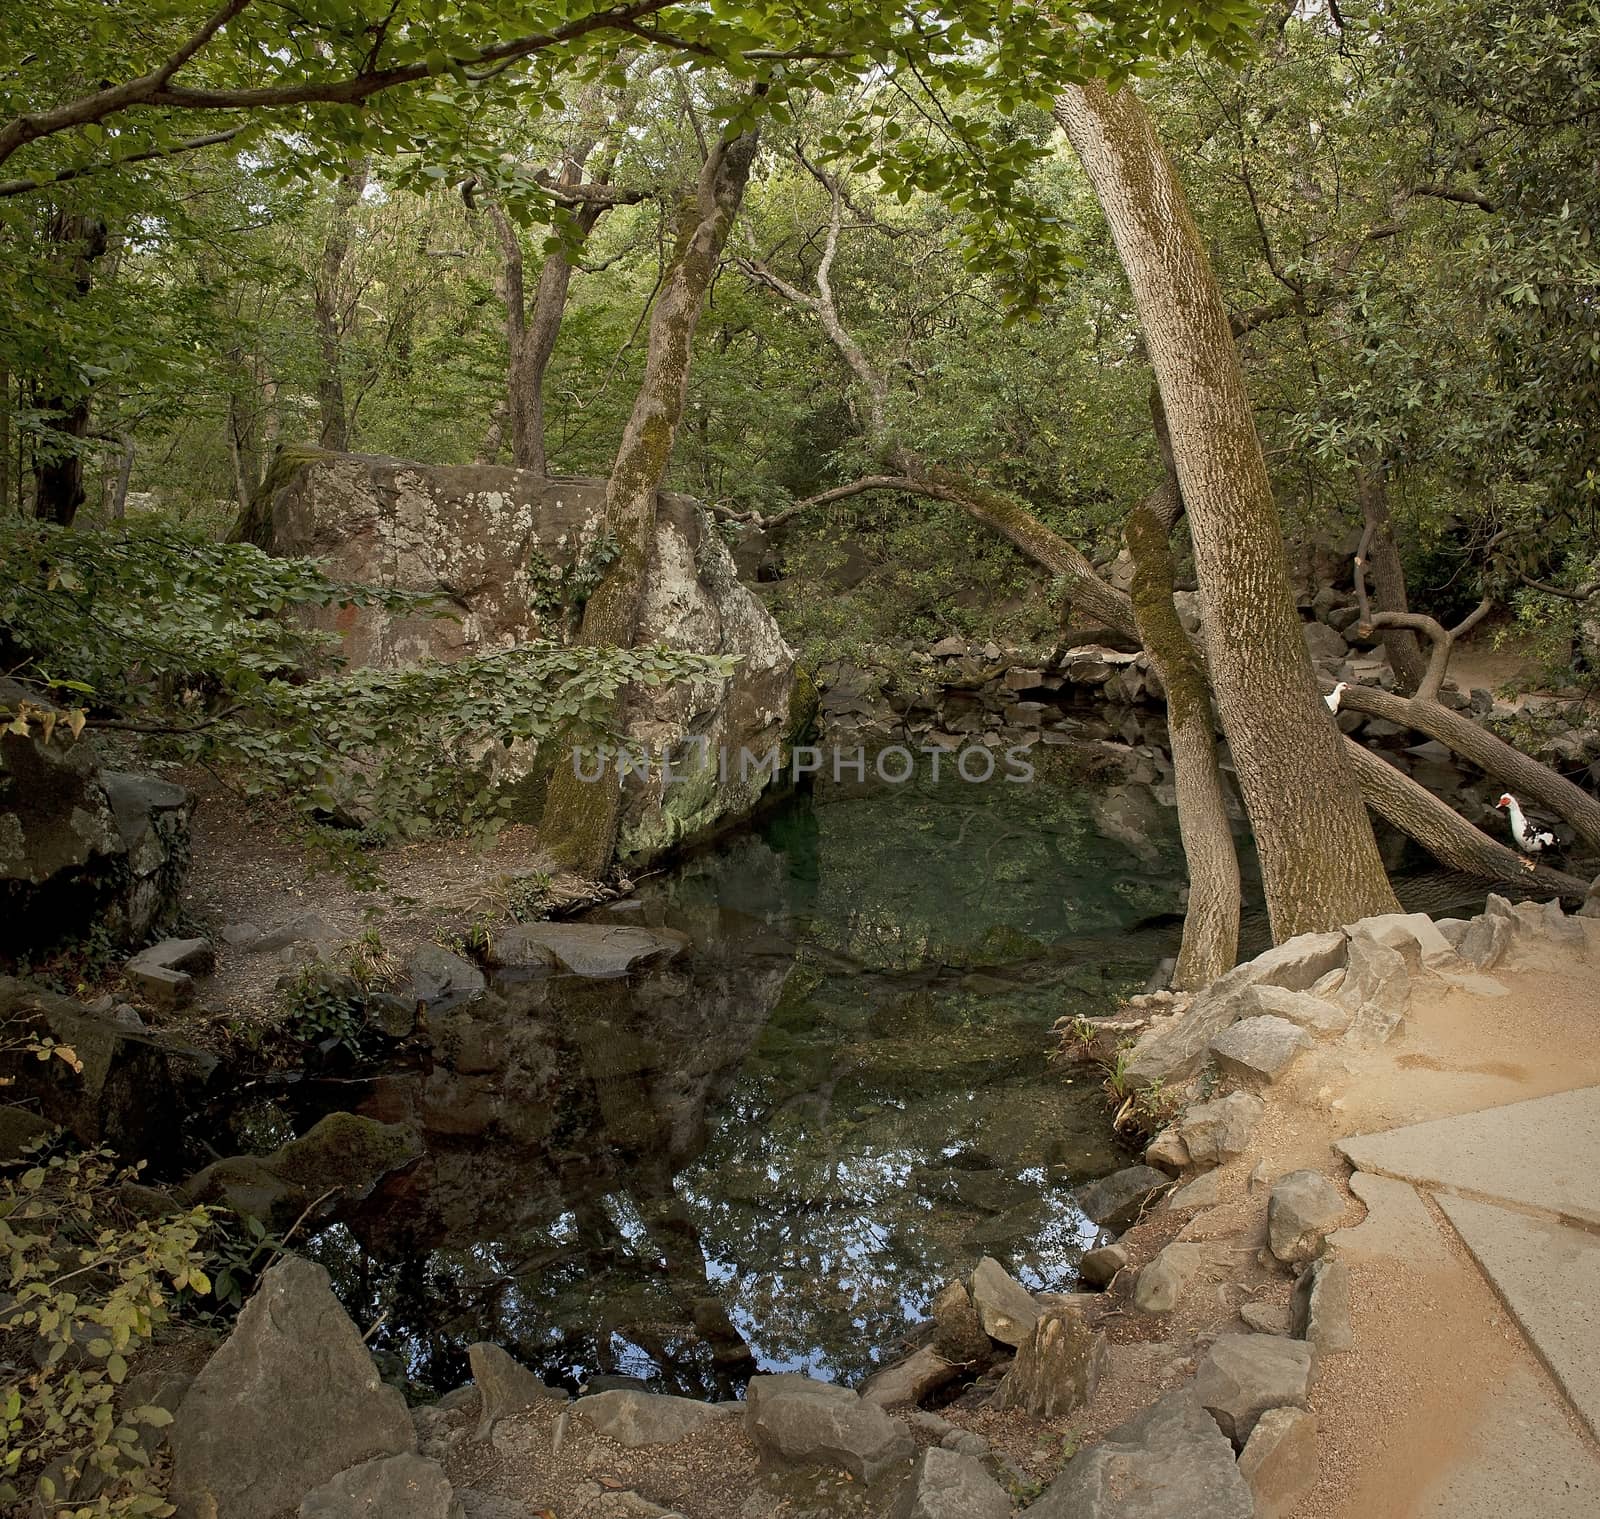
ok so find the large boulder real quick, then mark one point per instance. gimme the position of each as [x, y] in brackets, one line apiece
[1303, 1208]
[82, 849]
[128, 1087]
[505, 546]
[1005, 1307]
[1176, 1046]
[290, 1400]
[817, 1423]
[597, 950]
[945, 1484]
[1058, 1367]
[1118, 1201]
[647, 1418]
[386, 1487]
[1169, 1462]
[1243, 1375]
[342, 1153]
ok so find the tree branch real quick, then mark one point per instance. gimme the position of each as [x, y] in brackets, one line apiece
[9, 187]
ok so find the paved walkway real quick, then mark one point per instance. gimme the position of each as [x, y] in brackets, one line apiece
[1520, 1187]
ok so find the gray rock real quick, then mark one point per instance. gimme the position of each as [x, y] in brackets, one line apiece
[1217, 1131]
[1279, 1461]
[643, 1418]
[1324, 642]
[492, 532]
[240, 935]
[194, 955]
[1099, 1267]
[1118, 1201]
[82, 850]
[1005, 1308]
[906, 1382]
[1265, 1318]
[1177, 1047]
[958, 1333]
[1169, 1462]
[440, 979]
[966, 1442]
[1257, 1051]
[1167, 1151]
[1486, 941]
[817, 1423]
[387, 1487]
[1319, 1307]
[599, 950]
[1315, 1014]
[1164, 1280]
[289, 1401]
[1303, 1208]
[1241, 1376]
[1057, 1368]
[1205, 1191]
[344, 1153]
[945, 1484]
[18, 1129]
[506, 1386]
[1413, 935]
[159, 986]
[1376, 989]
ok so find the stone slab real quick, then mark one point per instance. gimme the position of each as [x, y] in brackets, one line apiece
[1537, 1154]
[1549, 1276]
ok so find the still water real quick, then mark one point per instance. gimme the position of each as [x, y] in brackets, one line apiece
[770, 1153]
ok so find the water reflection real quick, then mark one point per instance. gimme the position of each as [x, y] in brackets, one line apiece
[771, 1152]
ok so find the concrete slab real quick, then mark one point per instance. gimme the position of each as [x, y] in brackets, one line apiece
[1526, 1460]
[1538, 1154]
[1398, 1225]
[1549, 1276]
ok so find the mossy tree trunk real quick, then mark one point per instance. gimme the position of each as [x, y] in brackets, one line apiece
[1211, 920]
[1319, 860]
[581, 818]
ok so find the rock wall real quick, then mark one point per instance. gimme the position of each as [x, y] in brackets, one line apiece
[83, 849]
[509, 548]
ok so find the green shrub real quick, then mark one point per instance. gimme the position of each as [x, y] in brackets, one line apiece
[86, 1287]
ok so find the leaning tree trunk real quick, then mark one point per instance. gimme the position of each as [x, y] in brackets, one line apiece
[1405, 654]
[1494, 756]
[581, 818]
[330, 329]
[1211, 920]
[1444, 833]
[1319, 861]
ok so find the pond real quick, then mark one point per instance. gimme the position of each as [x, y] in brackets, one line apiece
[772, 1152]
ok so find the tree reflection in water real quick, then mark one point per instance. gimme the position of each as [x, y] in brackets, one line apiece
[771, 1152]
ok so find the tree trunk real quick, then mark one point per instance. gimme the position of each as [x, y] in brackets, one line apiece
[330, 328]
[119, 498]
[581, 818]
[531, 334]
[1319, 860]
[495, 434]
[1405, 654]
[1211, 921]
[78, 241]
[1511, 767]
[1446, 835]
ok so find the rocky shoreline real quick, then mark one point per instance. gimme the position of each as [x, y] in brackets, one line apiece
[1179, 1382]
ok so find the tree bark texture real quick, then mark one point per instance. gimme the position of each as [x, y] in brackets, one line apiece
[1319, 860]
[1211, 919]
[581, 819]
[335, 432]
[1405, 654]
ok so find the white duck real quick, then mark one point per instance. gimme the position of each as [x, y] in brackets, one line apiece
[1335, 696]
[1531, 839]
